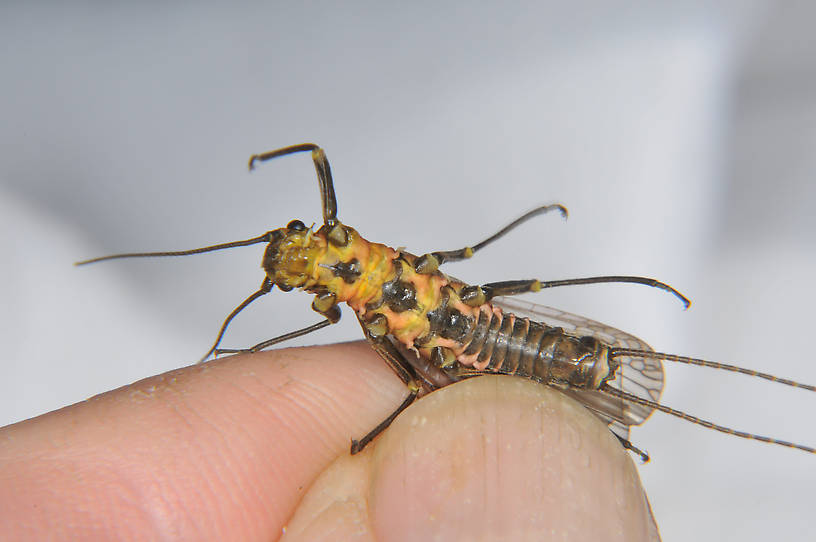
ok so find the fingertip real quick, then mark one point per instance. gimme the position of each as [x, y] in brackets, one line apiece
[499, 458]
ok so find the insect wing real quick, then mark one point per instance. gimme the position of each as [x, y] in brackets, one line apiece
[639, 376]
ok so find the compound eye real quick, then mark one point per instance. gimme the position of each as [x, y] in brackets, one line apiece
[296, 225]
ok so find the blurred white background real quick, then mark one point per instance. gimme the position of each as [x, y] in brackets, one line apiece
[680, 135]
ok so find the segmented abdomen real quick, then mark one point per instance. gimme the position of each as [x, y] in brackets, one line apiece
[504, 343]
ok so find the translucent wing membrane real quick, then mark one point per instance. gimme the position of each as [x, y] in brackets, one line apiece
[642, 377]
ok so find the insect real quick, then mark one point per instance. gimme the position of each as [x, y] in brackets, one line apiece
[432, 329]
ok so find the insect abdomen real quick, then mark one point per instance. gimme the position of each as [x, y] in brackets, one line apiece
[504, 343]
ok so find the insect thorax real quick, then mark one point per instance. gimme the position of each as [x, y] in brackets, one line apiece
[312, 261]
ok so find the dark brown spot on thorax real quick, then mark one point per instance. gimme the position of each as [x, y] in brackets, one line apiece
[399, 296]
[450, 323]
[348, 271]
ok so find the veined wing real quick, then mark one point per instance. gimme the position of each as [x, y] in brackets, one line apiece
[639, 376]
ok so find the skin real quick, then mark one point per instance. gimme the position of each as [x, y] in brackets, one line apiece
[255, 447]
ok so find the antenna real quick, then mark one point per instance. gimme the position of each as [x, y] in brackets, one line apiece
[265, 238]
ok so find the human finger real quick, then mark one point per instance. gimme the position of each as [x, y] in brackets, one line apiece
[491, 458]
[222, 450]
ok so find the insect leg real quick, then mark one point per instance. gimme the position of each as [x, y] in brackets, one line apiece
[404, 370]
[330, 310]
[269, 342]
[644, 457]
[480, 294]
[266, 287]
[428, 263]
[324, 176]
